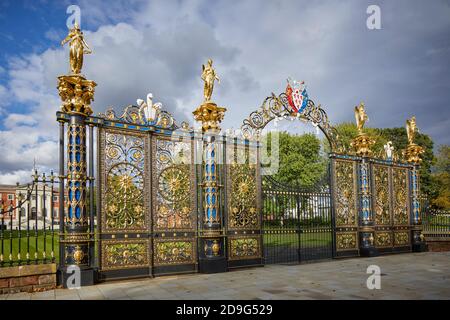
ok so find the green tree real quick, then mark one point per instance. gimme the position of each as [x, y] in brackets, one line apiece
[301, 161]
[440, 179]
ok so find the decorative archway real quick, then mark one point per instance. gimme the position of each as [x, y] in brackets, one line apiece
[296, 221]
[279, 107]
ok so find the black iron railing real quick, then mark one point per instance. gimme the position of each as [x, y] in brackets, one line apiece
[435, 222]
[29, 223]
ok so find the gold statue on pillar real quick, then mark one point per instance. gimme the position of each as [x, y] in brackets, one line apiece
[78, 47]
[209, 76]
[361, 117]
[362, 142]
[75, 90]
[411, 129]
[413, 151]
[208, 113]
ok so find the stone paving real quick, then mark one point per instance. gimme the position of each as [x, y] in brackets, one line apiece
[403, 276]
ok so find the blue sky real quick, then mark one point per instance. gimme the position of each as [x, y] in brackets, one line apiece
[159, 46]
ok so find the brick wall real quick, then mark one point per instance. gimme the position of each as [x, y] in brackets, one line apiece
[438, 244]
[27, 278]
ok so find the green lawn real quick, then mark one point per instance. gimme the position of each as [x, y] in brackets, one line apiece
[313, 239]
[32, 245]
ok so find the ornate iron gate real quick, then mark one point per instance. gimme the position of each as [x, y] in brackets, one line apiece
[147, 197]
[297, 223]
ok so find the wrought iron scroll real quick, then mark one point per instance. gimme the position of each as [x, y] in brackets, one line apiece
[134, 115]
[278, 107]
[242, 202]
[173, 194]
[381, 195]
[346, 211]
[400, 196]
[125, 201]
[124, 205]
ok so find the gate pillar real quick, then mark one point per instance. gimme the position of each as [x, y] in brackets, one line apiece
[76, 93]
[366, 218]
[417, 237]
[212, 242]
[412, 154]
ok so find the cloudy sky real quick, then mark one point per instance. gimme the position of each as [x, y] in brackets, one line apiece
[159, 47]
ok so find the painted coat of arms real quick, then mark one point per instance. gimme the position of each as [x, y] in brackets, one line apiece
[297, 95]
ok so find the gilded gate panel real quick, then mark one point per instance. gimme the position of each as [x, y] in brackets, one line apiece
[173, 190]
[401, 238]
[173, 196]
[124, 254]
[242, 188]
[125, 183]
[400, 196]
[244, 248]
[381, 195]
[383, 239]
[345, 193]
[174, 251]
[346, 241]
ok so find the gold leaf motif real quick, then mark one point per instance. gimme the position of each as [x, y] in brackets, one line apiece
[383, 239]
[382, 210]
[346, 213]
[243, 213]
[400, 192]
[345, 241]
[173, 252]
[244, 248]
[120, 255]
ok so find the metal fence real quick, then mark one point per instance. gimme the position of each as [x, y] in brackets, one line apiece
[435, 222]
[30, 223]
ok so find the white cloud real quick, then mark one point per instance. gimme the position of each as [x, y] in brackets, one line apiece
[11, 178]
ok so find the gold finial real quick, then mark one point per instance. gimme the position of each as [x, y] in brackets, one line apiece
[75, 90]
[208, 113]
[413, 151]
[411, 129]
[78, 47]
[209, 76]
[361, 117]
[362, 142]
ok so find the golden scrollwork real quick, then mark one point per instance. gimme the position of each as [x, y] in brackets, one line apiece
[244, 248]
[346, 241]
[400, 196]
[124, 254]
[361, 144]
[383, 239]
[76, 94]
[123, 165]
[381, 194]
[401, 238]
[172, 185]
[168, 252]
[243, 196]
[346, 213]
